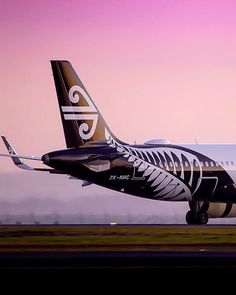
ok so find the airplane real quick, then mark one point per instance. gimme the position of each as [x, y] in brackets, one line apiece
[202, 175]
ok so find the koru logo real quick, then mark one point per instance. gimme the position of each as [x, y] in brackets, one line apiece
[81, 113]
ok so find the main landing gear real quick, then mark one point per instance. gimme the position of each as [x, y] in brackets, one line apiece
[198, 213]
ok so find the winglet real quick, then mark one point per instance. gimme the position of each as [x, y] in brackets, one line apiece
[15, 159]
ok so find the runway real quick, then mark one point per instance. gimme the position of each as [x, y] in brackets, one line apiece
[120, 248]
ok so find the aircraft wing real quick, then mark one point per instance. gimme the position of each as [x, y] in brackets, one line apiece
[17, 159]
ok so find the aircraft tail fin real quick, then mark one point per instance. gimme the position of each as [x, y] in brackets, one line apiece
[82, 122]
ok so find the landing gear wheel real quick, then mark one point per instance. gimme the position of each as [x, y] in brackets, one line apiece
[202, 218]
[190, 217]
[196, 218]
[198, 212]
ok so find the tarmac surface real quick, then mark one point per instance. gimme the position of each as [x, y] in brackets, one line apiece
[117, 249]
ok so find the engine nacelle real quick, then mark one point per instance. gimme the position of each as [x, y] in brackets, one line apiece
[216, 210]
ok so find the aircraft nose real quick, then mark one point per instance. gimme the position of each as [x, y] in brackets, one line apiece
[45, 159]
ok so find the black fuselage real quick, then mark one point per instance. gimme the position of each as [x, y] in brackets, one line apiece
[156, 175]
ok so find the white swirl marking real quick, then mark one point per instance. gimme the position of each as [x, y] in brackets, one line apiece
[76, 93]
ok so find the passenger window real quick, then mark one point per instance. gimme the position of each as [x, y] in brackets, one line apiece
[176, 164]
[232, 163]
[227, 163]
[171, 165]
[202, 164]
[212, 164]
[186, 164]
[207, 164]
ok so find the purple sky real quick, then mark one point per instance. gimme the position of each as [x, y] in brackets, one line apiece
[156, 69]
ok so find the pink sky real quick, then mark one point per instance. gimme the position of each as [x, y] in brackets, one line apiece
[155, 69]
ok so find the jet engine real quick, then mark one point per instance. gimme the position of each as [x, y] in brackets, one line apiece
[216, 210]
